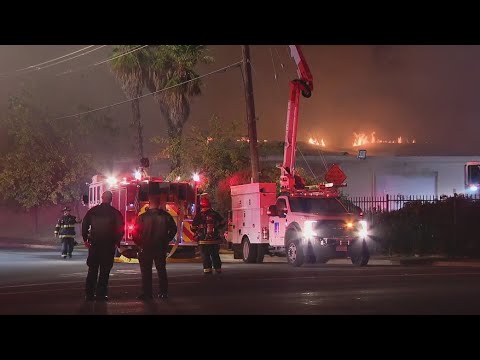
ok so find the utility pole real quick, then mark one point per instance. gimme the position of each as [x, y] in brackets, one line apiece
[251, 119]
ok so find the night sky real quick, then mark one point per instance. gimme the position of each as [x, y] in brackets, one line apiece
[424, 92]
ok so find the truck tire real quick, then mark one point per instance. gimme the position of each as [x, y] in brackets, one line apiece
[237, 251]
[261, 250]
[359, 253]
[294, 252]
[249, 251]
[324, 253]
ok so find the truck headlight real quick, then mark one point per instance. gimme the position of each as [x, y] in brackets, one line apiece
[308, 230]
[363, 230]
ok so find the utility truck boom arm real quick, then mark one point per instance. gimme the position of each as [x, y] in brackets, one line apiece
[304, 84]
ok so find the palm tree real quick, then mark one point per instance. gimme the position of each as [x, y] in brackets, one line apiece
[130, 70]
[170, 65]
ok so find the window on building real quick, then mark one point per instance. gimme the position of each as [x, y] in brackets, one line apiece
[473, 173]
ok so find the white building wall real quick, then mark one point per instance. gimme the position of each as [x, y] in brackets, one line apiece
[425, 175]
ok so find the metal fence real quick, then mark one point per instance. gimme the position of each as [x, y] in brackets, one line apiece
[387, 203]
[446, 225]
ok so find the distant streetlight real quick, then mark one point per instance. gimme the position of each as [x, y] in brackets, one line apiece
[196, 179]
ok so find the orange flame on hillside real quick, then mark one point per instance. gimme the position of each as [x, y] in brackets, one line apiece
[314, 141]
[363, 139]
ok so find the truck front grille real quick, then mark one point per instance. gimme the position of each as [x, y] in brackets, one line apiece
[333, 229]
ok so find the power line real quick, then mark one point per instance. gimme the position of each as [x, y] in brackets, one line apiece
[273, 64]
[140, 47]
[277, 87]
[152, 93]
[120, 55]
[323, 159]
[57, 58]
[37, 68]
[287, 50]
[306, 162]
[45, 62]
[74, 57]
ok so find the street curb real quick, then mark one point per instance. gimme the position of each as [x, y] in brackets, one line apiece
[124, 260]
[457, 263]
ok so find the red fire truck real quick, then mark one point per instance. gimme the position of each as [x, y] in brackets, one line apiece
[130, 197]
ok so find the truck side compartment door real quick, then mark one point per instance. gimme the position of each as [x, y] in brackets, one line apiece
[277, 224]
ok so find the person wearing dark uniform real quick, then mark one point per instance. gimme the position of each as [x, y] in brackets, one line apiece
[207, 225]
[65, 230]
[102, 230]
[154, 229]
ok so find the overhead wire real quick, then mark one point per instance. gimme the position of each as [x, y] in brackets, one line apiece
[273, 64]
[225, 68]
[34, 68]
[306, 162]
[73, 57]
[46, 62]
[70, 71]
[288, 63]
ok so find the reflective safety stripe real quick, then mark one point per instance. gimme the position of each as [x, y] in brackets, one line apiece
[188, 235]
[143, 209]
[70, 236]
[207, 270]
[209, 242]
[67, 226]
[171, 209]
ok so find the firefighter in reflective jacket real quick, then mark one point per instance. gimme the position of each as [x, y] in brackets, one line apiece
[65, 230]
[207, 225]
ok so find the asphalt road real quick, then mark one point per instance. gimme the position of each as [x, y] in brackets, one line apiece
[36, 281]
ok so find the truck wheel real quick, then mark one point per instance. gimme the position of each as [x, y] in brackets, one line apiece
[237, 251]
[261, 250]
[249, 251]
[359, 254]
[295, 255]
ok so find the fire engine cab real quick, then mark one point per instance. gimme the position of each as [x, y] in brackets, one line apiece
[306, 224]
[130, 197]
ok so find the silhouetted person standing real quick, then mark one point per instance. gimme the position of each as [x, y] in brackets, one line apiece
[102, 230]
[154, 229]
[207, 224]
[65, 229]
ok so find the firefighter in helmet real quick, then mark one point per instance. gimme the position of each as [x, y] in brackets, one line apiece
[207, 225]
[65, 230]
